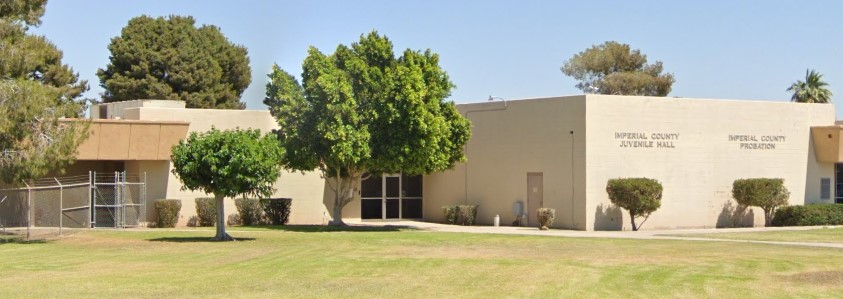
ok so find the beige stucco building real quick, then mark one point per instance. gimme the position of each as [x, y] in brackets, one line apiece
[548, 152]
[560, 153]
[136, 137]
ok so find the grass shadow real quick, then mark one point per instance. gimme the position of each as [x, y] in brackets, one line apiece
[17, 238]
[328, 229]
[21, 240]
[193, 239]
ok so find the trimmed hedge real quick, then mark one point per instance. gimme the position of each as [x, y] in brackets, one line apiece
[765, 193]
[206, 211]
[193, 221]
[450, 214]
[234, 219]
[812, 214]
[168, 212]
[638, 196]
[250, 210]
[467, 214]
[277, 210]
[545, 217]
[460, 214]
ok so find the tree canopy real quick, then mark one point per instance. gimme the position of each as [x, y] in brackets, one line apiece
[36, 89]
[765, 193]
[228, 164]
[812, 90]
[171, 59]
[362, 110]
[614, 68]
[27, 12]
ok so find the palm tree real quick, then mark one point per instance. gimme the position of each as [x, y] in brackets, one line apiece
[813, 90]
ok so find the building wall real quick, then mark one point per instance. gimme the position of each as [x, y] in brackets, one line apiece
[307, 190]
[577, 143]
[119, 140]
[82, 168]
[115, 110]
[698, 162]
[506, 144]
[153, 173]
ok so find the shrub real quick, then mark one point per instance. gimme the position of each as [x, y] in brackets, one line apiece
[277, 210]
[234, 219]
[206, 210]
[450, 214]
[765, 193]
[250, 211]
[545, 216]
[639, 196]
[466, 214]
[193, 221]
[168, 212]
[813, 214]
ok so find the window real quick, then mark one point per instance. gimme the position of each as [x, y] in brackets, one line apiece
[838, 183]
[825, 188]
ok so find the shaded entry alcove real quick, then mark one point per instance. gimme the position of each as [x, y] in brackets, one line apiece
[391, 196]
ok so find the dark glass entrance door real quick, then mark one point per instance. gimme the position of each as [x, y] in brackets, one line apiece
[391, 197]
[371, 198]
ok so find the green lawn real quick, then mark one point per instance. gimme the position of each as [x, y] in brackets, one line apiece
[303, 262]
[820, 235]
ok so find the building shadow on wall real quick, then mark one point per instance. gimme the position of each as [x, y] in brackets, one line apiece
[735, 215]
[608, 217]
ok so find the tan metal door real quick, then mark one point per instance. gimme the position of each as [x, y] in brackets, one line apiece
[535, 195]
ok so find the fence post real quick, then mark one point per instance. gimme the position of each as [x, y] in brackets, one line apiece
[3, 223]
[116, 196]
[123, 200]
[61, 205]
[143, 200]
[91, 184]
[28, 210]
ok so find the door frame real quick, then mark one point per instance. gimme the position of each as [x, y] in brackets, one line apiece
[385, 197]
[532, 210]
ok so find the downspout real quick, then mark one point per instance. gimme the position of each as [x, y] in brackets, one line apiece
[465, 149]
[573, 223]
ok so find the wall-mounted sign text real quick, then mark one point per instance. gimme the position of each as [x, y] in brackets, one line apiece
[646, 140]
[756, 142]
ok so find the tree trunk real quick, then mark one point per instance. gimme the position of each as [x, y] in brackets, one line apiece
[768, 217]
[343, 194]
[221, 234]
[632, 220]
[337, 212]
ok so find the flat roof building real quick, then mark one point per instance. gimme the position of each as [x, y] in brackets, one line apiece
[560, 153]
[554, 152]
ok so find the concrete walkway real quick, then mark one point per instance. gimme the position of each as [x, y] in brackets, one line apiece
[641, 235]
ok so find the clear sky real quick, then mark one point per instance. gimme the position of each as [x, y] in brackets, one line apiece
[512, 49]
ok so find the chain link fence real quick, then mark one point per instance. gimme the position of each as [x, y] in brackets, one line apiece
[51, 207]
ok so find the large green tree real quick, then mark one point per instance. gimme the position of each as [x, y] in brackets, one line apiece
[36, 90]
[228, 164]
[171, 59]
[614, 68]
[812, 90]
[362, 110]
